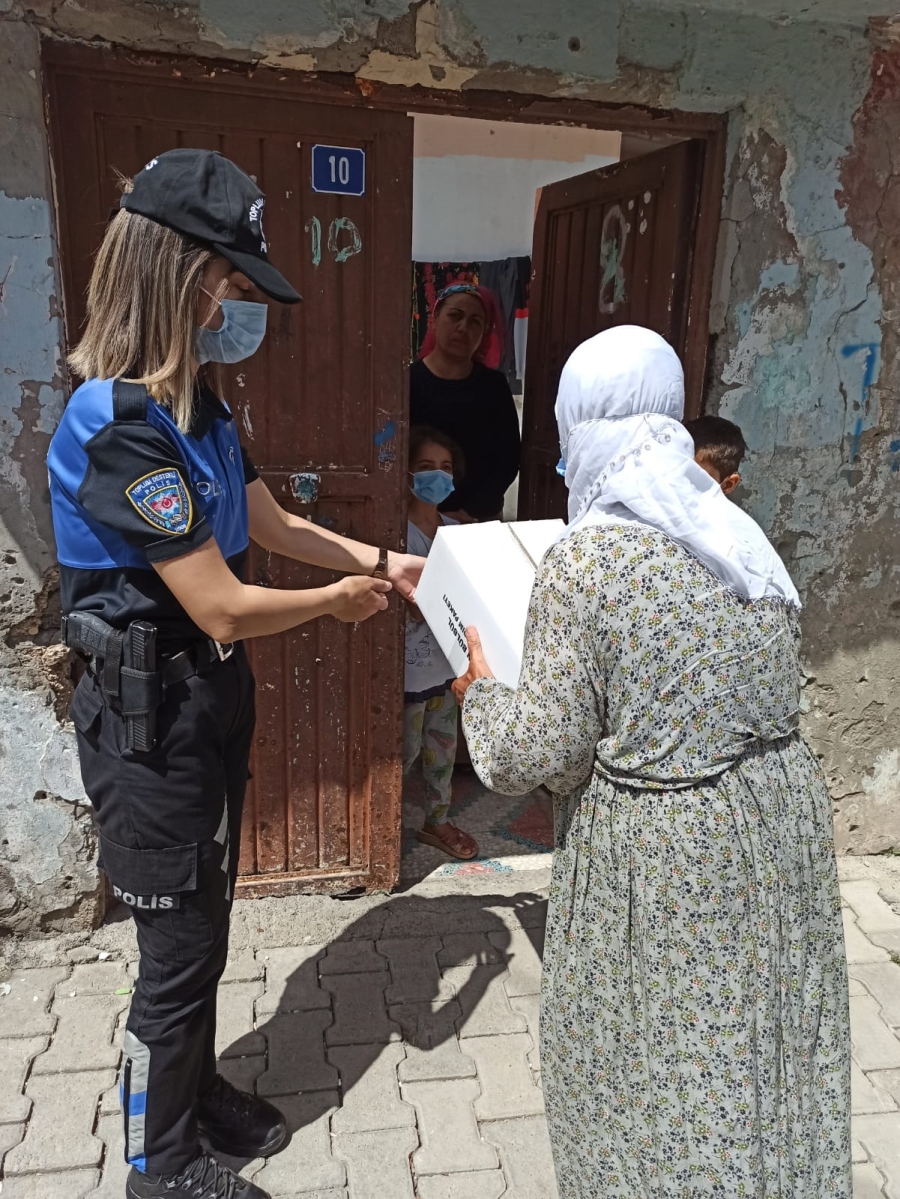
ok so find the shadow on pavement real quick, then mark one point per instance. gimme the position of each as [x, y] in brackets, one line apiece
[336, 1009]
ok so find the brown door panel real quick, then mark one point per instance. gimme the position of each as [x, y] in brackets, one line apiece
[324, 401]
[611, 247]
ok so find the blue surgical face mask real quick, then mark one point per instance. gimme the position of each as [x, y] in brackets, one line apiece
[432, 486]
[241, 334]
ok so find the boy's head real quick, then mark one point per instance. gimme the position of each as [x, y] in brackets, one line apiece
[719, 447]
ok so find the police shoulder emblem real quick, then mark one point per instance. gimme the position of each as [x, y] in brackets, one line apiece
[162, 500]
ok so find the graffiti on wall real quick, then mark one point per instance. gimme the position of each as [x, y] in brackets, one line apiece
[869, 352]
[385, 439]
[613, 239]
[344, 239]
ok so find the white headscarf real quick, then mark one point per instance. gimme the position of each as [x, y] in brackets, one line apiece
[629, 459]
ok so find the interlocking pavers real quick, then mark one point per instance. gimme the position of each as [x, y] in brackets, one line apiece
[874, 1045]
[16, 1057]
[485, 1184]
[292, 981]
[525, 1155]
[235, 1034]
[360, 1017]
[297, 1055]
[523, 950]
[369, 1088]
[433, 1049]
[69, 1184]
[505, 1077]
[84, 1036]
[25, 1009]
[450, 1140]
[485, 1005]
[882, 981]
[857, 945]
[59, 1134]
[415, 977]
[352, 957]
[307, 1163]
[378, 1162]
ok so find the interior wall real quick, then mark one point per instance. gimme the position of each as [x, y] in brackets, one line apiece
[474, 182]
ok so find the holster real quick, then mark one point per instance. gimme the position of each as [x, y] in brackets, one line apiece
[125, 666]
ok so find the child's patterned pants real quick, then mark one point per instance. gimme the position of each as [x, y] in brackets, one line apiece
[429, 727]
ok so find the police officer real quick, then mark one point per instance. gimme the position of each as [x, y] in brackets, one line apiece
[154, 502]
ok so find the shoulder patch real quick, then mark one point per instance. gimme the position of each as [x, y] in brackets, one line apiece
[162, 500]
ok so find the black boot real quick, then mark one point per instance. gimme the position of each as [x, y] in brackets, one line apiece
[204, 1178]
[239, 1124]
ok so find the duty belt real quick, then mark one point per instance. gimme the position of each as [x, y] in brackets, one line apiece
[125, 665]
[196, 659]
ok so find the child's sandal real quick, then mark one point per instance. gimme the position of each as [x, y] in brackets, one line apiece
[459, 845]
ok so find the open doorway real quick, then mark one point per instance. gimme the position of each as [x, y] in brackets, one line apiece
[476, 184]
[573, 229]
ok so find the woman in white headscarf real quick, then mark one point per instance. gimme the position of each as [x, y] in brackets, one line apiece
[694, 1019]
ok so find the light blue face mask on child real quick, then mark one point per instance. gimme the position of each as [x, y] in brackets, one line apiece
[432, 486]
[240, 336]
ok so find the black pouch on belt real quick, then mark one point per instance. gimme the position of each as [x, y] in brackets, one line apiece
[140, 685]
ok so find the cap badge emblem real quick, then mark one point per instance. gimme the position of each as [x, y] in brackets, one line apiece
[256, 225]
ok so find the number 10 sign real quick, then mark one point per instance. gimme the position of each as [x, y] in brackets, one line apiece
[339, 169]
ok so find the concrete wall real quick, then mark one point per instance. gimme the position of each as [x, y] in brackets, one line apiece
[47, 876]
[804, 319]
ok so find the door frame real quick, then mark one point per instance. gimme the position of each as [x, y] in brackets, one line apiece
[481, 104]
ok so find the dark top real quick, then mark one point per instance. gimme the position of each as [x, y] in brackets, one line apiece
[127, 493]
[479, 413]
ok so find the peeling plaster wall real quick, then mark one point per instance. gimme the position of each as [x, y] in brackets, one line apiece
[805, 353]
[48, 879]
[807, 365]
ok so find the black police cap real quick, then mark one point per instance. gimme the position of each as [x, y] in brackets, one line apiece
[206, 197]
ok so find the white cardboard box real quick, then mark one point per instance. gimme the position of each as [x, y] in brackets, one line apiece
[483, 575]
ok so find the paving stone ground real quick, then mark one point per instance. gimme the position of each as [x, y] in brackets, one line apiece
[404, 1055]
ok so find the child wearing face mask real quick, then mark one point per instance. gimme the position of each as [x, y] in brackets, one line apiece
[430, 713]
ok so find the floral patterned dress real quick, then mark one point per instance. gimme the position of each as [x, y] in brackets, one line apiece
[694, 1020]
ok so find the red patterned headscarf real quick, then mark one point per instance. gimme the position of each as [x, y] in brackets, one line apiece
[490, 351]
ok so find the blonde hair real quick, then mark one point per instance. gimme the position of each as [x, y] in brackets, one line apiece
[141, 306]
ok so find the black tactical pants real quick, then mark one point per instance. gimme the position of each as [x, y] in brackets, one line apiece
[169, 824]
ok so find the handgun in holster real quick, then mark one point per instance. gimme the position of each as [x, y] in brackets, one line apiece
[124, 664]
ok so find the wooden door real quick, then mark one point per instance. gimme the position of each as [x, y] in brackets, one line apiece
[321, 409]
[611, 247]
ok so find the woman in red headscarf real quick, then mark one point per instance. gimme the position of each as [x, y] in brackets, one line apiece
[454, 387]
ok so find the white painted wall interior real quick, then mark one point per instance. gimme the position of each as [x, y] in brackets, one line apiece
[474, 182]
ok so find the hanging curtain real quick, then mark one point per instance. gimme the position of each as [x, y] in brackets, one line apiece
[510, 279]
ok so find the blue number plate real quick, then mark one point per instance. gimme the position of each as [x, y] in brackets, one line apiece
[339, 169]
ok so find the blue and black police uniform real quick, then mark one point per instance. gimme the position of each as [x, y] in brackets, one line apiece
[130, 489]
[128, 492]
